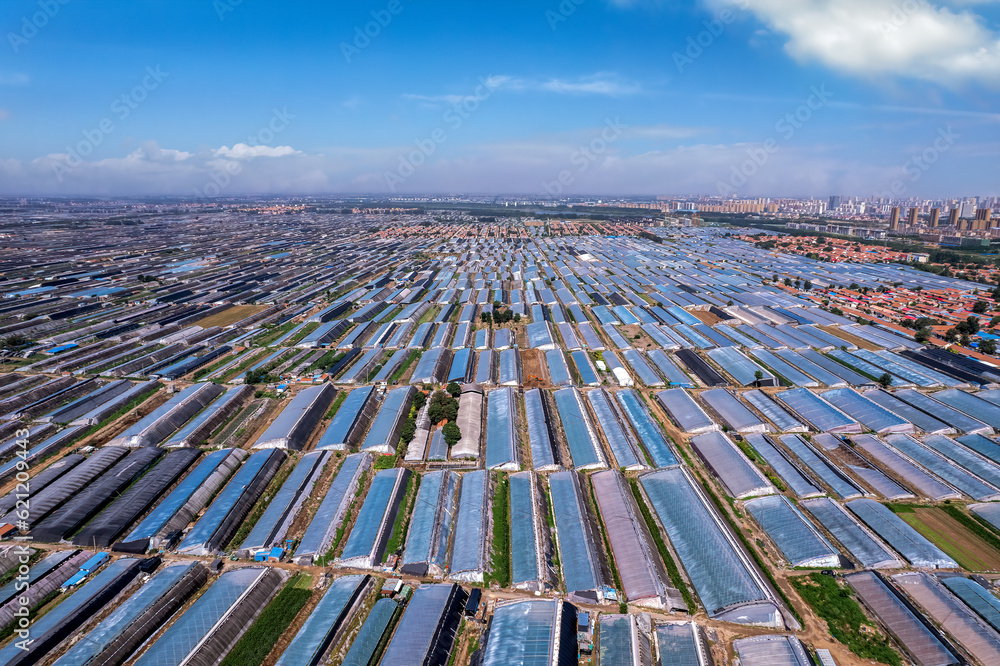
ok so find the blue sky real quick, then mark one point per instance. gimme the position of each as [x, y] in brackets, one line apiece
[752, 97]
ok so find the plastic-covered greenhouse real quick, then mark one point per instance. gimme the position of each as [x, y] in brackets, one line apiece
[366, 543]
[134, 502]
[212, 625]
[741, 368]
[825, 471]
[121, 633]
[794, 478]
[685, 412]
[798, 540]
[501, 436]
[291, 428]
[384, 434]
[916, 477]
[327, 621]
[732, 412]
[584, 448]
[530, 542]
[222, 518]
[739, 476]
[624, 640]
[471, 540]
[470, 422]
[939, 460]
[184, 501]
[284, 507]
[772, 650]
[426, 632]
[583, 566]
[856, 539]
[906, 541]
[168, 417]
[669, 369]
[973, 406]
[782, 420]
[920, 419]
[620, 441]
[369, 636]
[867, 412]
[945, 413]
[646, 428]
[639, 567]
[332, 510]
[681, 643]
[431, 524]
[532, 631]
[197, 431]
[976, 597]
[539, 436]
[350, 421]
[816, 412]
[730, 587]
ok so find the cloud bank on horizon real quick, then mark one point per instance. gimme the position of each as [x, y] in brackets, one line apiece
[744, 97]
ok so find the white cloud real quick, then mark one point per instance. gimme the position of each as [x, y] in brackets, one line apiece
[607, 84]
[874, 38]
[242, 151]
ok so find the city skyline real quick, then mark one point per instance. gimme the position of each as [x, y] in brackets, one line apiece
[743, 98]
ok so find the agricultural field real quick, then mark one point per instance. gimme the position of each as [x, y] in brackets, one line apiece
[955, 539]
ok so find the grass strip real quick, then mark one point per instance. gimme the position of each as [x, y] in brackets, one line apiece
[402, 521]
[253, 648]
[500, 568]
[672, 569]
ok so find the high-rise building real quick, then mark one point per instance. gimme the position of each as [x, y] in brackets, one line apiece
[983, 214]
[894, 218]
[935, 212]
[911, 218]
[953, 218]
[835, 201]
[968, 209]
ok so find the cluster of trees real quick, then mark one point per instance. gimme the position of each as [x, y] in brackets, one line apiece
[16, 342]
[260, 376]
[499, 315]
[443, 405]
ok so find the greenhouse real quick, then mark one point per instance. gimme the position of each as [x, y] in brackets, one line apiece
[906, 541]
[73, 612]
[539, 336]
[386, 426]
[109, 407]
[184, 501]
[371, 531]
[639, 366]
[646, 428]
[530, 543]
[870, 414]
[951, 615]
[953, 417]
[797, 539]
[911, 631]
[433, 366]
[122, 632]
[955, 464]
[197, 431]
[36, 453]
[816, 412]
[983, 410]
[730, 587]
[984, 446]
[103, 530]
[333, 509]
[426, 632]
[976, 597]
[34, 583]
[486, 364]
[821, 468]
[222, 518]
[471, 541]
[838, 370]
[501, 436]
[786, 371]
[796, 481]
[539, 437]
[168, 417]
[532, 632]
[350, 421]
[583, 567]
[860, 544]
[772, 650]
[685, 412]
[782, 420]
[273, 525]
[624, 640]
[509, 367]
[427, 538]
[87, 403]
[558, 369]
[369, 636]
[732, 412]
[361, 371]
[669, 369]
[639, 567]
[623, 447]
[327, 622]
[66, 486]
[901, 466]
[738, 475]
[682, 643]
[213, 624]
[708, 375]
[922, 420]
[291, 429]
[588, 376]
[470, 422]
[461, 366]
[584, 448]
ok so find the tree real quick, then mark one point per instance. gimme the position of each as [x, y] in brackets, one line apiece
[408, 431]
[451, 433]
[807, 285]
[922, 335]
[988, 347]
[16, 341]
[758, 375]
[454, 389]
[788, 282]
[487, 318]
[885, 380]
[951, 335]
[965, 340]
[419, 400]
[979, 307]
[994, 321]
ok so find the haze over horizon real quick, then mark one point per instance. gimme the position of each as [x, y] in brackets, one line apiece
[744, 97]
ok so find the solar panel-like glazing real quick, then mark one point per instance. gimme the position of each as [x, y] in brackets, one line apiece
[796, 538]
[580, 436]
[917, 550]
[861, 545]
[649, 433]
